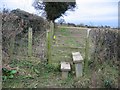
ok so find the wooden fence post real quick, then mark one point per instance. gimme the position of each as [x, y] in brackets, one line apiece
[86, 52]
[49, 46]
[30, 42]
[49, 37]
[52, 28]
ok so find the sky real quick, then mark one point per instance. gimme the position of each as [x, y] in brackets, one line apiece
[88, 12]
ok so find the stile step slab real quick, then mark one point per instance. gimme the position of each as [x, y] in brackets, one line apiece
[77, 58]
[65, 66]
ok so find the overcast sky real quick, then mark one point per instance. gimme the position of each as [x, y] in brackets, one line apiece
[91, 12]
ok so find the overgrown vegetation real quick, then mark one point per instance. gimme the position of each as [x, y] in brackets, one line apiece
[105, 46]
[15, 34]
[34, 72]
[31, 75]
[8, 73]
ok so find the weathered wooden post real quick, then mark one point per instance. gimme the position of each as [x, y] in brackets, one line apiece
[52, 28]
[49, 42]
[30, 42]
[77, 59]
[86, 52]
[65, 68]
[49, 37]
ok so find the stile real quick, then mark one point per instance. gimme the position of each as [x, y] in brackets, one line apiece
[78, 69]
[65, 68]
[77, 59]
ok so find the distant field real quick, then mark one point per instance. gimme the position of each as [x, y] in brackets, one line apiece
[68, 40]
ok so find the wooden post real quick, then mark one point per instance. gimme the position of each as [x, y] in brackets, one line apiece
[30, 42]
[77, 59]
[86, 52]
[49, 47]
[49, 37]
[52, 28]
[65, 68]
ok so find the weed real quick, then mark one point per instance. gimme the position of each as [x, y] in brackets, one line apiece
[51, 68]
[8, 74]
[107, 83]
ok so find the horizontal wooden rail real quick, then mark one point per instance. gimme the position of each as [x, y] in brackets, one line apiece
[68, 47]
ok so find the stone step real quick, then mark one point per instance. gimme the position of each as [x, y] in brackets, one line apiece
[65, 68]
[77, 57]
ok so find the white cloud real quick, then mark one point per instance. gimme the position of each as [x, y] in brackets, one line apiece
[95, 1]
[94, 11]
[22, 4]
[88, 10]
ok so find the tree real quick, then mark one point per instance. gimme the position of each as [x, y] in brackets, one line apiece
[53, 10]
[5, 10]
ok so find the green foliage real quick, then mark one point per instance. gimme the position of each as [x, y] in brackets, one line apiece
[105, 45]
[8, 73]
[36, 70]
[107, 83]
[53, 10]
[52, 68]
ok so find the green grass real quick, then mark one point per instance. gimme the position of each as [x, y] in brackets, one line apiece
[63, 54]
[66, 43]
[64, 32]
[30, 73]
[36, 75]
